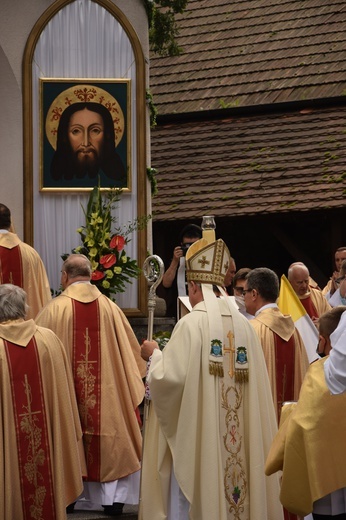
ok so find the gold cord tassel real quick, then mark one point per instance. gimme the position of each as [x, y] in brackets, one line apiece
[215, 369]
[242, 376]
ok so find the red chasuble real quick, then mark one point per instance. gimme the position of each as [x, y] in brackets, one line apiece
[284, 356]
[87, 377]
[11, 268]
[309, 307]
[29, 411]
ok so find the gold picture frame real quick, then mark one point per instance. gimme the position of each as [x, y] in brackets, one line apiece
[97, 146]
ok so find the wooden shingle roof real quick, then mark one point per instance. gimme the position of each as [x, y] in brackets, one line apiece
[264, 163]
[241, 53]
[252, 113]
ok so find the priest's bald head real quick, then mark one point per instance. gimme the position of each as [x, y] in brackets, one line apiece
[76, 268]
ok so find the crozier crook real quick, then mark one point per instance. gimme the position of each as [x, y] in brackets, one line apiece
[153, 269]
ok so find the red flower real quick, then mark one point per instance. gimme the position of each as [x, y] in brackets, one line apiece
[97, 275]
[117, 242]
[108, 260]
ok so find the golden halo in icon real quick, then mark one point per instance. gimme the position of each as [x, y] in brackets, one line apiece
[83, 93]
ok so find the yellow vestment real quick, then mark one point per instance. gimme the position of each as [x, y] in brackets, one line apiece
[62, 429]
[310, 446]
[35, 280]
[319, 301]
[268, 322]
[121, 371]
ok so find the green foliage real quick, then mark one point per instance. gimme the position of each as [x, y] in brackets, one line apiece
[151, 173]
[162, 337]
[163, 29]
[231, 104]
[152, 108]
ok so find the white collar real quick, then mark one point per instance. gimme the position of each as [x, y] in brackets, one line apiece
[267, 306]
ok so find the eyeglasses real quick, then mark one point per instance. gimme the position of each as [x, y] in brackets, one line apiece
[238, 289]
[339, 280]
[246, 290]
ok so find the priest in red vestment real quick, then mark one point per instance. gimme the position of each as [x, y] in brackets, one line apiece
[21, 265]
[282, 345]
[108, 370]
[40, 468]
[314, 302]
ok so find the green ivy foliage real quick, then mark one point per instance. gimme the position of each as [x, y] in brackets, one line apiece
[162, 25]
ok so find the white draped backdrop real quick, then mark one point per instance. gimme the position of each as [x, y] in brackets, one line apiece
[83, 40]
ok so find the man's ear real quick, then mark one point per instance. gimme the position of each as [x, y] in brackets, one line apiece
[324, 346]
[323, 341]
[254, 294]
[327, 347]
[193, 286]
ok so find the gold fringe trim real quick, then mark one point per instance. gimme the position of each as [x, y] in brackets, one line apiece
[215, 369]
[242, 376]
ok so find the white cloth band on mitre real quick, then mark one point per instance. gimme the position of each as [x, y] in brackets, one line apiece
[207, 264]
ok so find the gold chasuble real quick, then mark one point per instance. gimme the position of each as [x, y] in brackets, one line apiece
[284, 353]
[212, 431]
[40, 469]
[108, 371]
[21, 265]
[315, 303]
[312, 465]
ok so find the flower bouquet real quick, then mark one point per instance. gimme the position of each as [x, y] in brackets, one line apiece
[112, 268]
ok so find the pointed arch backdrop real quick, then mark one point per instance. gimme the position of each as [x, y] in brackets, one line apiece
[83, 39]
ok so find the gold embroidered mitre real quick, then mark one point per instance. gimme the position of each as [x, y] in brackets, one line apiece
[207, 263]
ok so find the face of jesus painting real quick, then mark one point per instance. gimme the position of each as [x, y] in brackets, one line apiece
[86, 145]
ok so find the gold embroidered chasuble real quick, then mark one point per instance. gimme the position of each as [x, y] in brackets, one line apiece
[310, 444]
[108, 384]
[33, 274]
[267, 323]
[37, 436]
[214, 432]
[318, 300]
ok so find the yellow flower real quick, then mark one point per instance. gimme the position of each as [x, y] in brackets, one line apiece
[95, 218]
[92, 252]
[124, 259]
[117, 270]
[106, 284]
[94, 264]
[78, 249]
[91, 242]
[80, 230]
[109, 273]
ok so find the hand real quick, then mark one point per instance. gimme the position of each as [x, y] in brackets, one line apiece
[343, 288]
[177, 253]
[315, 321]
[334, 285]
[147, 348]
